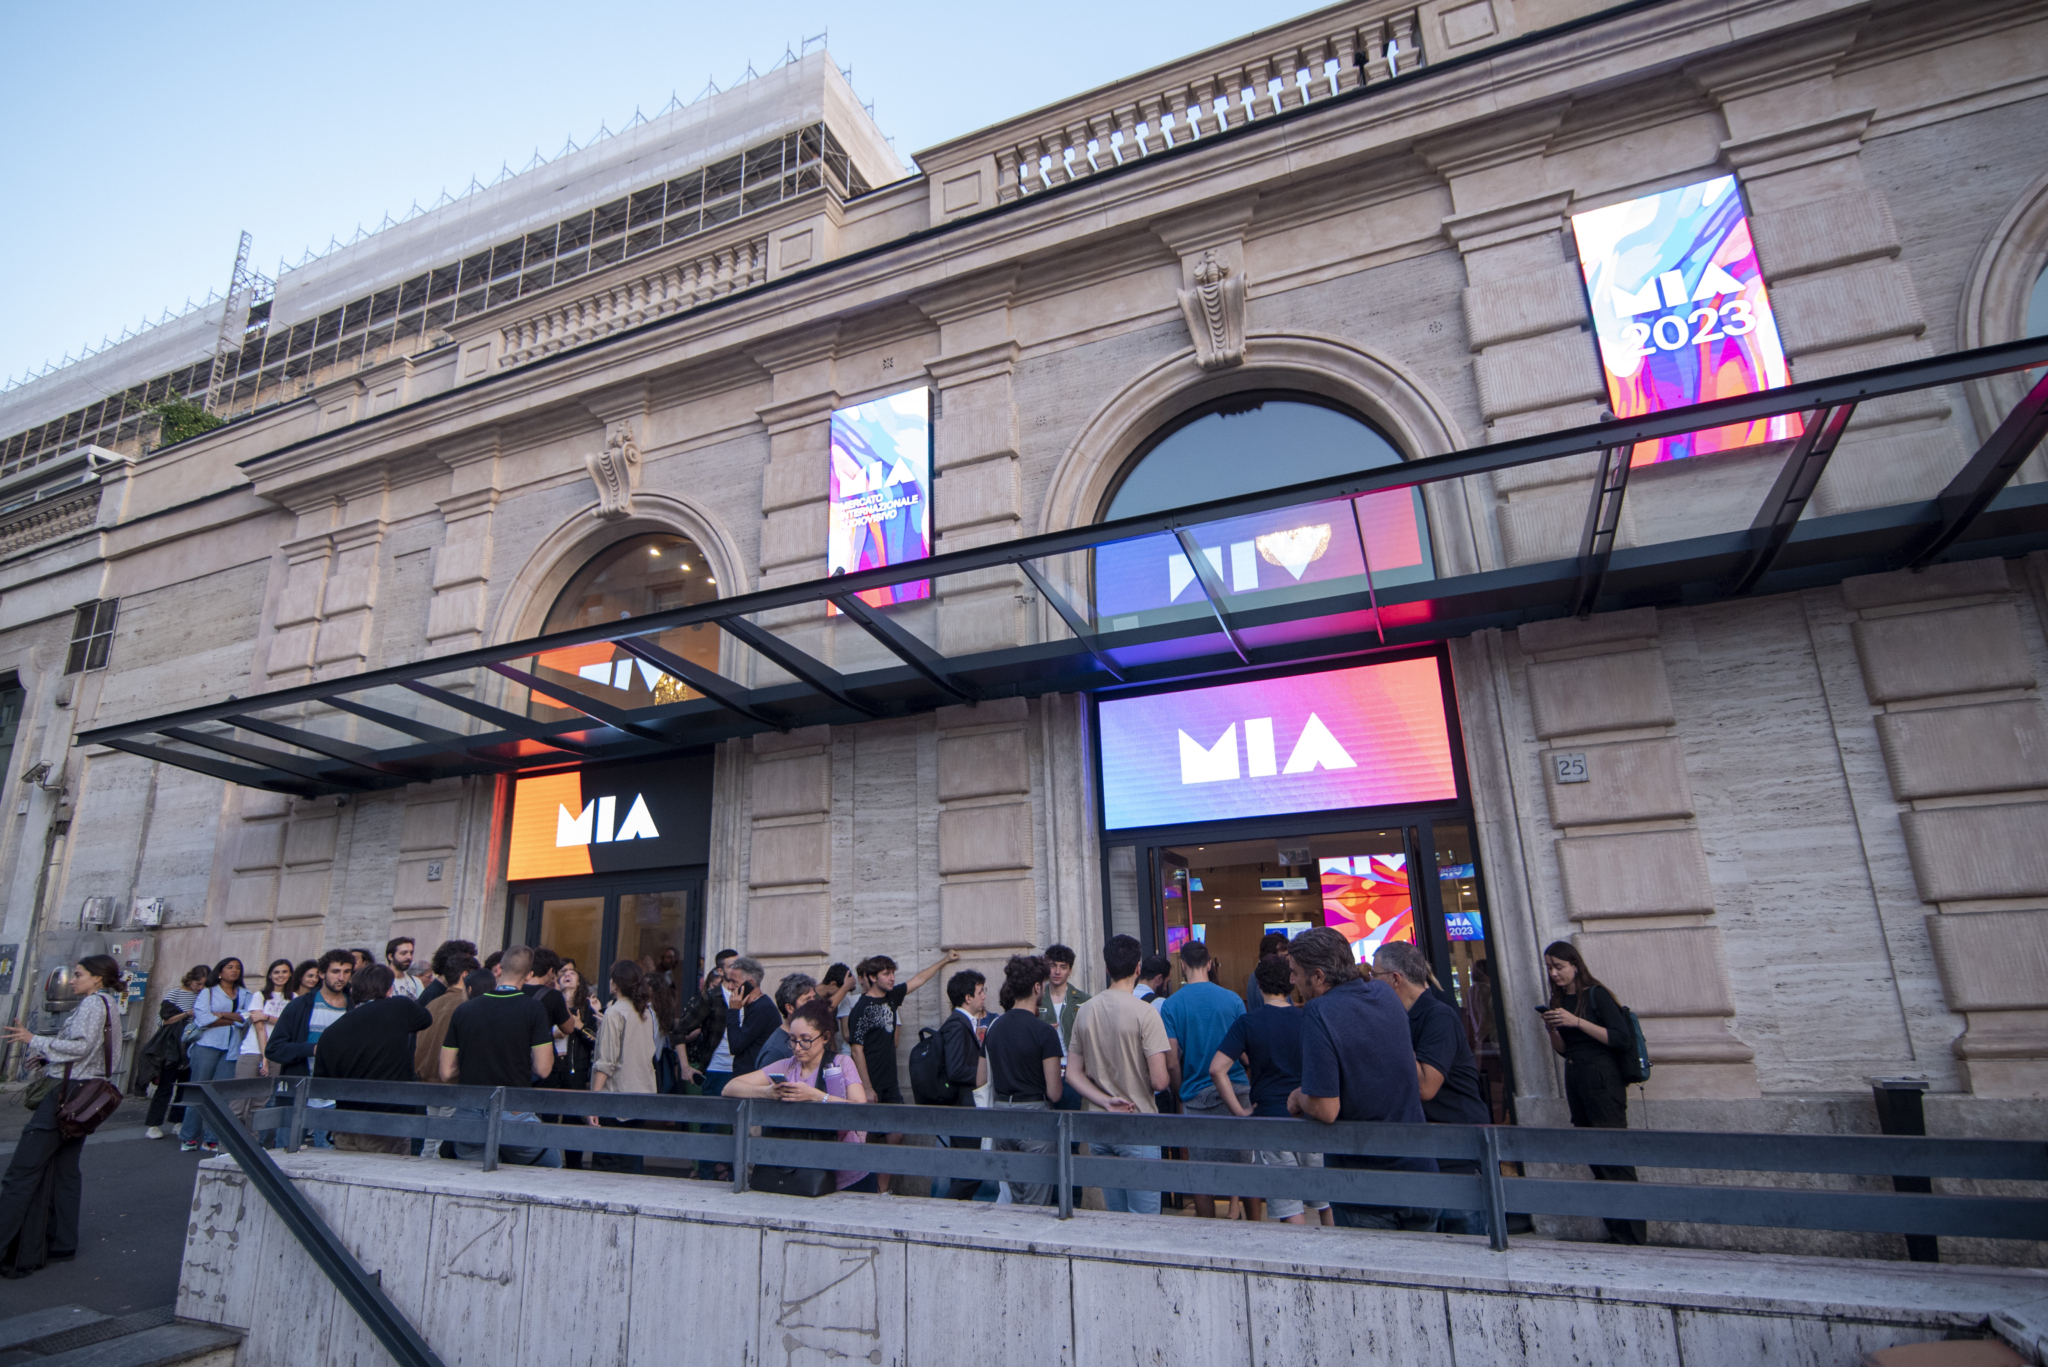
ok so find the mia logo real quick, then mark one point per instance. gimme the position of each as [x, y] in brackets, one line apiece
[619, 673]
[594, 825]
[871, 477]
[1315, 749]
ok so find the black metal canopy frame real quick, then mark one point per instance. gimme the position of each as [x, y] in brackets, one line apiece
[432, 719]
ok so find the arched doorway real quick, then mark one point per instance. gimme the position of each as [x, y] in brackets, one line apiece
[608, 862]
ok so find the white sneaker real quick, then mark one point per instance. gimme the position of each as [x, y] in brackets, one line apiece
[153, 1132]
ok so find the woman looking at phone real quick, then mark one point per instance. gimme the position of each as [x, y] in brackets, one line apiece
[817, 1072]
[1587, 1026]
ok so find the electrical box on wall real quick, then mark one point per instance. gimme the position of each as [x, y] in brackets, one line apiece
[146, 911]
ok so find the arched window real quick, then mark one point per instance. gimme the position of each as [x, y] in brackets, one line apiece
[640, 575]
[1246, 444]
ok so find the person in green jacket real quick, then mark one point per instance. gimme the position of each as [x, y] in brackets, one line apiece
[1061, 1001]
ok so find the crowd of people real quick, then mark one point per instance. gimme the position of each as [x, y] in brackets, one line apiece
[1316, 1035]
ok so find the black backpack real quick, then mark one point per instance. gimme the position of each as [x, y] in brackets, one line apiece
[929, 1085]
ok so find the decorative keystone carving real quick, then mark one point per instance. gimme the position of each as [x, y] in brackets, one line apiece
[1215, 314]
[616, 472]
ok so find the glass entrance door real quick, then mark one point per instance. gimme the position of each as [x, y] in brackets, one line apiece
[598, 922]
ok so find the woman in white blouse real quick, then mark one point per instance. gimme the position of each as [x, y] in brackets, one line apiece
[39, 1195]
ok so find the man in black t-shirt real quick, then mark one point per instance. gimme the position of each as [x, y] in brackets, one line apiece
[871, 1034]
[372, 1042]
[1024, 1057]
[1443, 1064]
[501, 1039]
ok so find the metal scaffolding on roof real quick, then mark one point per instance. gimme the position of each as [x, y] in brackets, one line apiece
[462, 714]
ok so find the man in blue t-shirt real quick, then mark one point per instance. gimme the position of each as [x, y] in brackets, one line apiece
[1356, 1064]
[1269, 1043]
[1197, 1018]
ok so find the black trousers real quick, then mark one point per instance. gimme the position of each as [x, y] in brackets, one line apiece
[618, 1162]
[39, 1196]
[1599, 1101]
[160, 1101]
[963, 1188]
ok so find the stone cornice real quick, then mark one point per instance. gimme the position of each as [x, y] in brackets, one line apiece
[1493, 227]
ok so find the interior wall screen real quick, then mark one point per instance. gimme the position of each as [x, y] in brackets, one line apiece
[1371, 736]
[1681, 312]
[879, 509]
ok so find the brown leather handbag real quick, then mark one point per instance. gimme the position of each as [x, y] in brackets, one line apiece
[81, 1109]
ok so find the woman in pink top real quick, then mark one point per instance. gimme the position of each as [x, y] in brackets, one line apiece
[813, 1035]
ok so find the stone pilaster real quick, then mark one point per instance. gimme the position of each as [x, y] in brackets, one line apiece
[1959, 718]
[789, 867]
[462, 564]
[1629, 857]
[1829, 251]
[988, 834]
[978, 496]
[795, 484]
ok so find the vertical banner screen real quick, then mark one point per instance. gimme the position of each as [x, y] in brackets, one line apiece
[880, 510]
[1681, 312]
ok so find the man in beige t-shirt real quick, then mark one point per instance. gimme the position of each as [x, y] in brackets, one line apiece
[1116, 1060]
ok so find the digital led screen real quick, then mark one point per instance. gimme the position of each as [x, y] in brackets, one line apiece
[639, 816]
[1367, 901]
[1370, 736]
[1463, 925]
[880, 505]
[1176, 936]
[1681, 312]
[1302, 549]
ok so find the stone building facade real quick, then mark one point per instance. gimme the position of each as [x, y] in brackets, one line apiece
[1811, 853]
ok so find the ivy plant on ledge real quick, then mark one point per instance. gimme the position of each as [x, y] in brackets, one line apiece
[179, 419]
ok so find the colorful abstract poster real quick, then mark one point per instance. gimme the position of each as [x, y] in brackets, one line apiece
[1366, 900]
[1371, 736]
[1682, 314]
[880, 506]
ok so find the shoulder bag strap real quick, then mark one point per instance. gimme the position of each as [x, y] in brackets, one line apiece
[107, 1040]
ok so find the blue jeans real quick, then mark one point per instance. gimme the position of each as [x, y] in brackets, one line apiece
[1120, 1199]
[507, 1153]
[206, 1064]
[1460, 1221]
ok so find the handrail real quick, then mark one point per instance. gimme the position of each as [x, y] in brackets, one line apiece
[1482, 1147]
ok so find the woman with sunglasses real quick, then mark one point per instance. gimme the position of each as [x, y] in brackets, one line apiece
[818, 1072]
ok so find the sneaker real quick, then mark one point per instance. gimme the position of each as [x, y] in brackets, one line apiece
[212, 1147]
[187, 1145]
[153, 1132]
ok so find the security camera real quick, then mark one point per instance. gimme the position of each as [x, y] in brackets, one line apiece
[36, 773]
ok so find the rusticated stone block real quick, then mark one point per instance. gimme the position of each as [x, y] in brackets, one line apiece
[789, 535]
[1842, 308]
[1992, 960]
[259, 845]
[788, 924]
[985, 765]
[311, 841]
[1931, 654]
[784, 856]
[430, 826]
[1549, 524]
[1599, 693]
[1648, 873]
[252, 898]
[1963, 854]
[972, 623]
[985, 839]
[1679, 971]
[1602, 628]
[797, 786]
[1823, 233]
[973, 494]
[1953, 579]
[792, 479]
[990, 915]
[1509, 310]
[1885, 471]
[303, 893]
[783, 742]
[1637, 780]
[1556, 369]
[992, 712]
[980, 423]
[1949, 751]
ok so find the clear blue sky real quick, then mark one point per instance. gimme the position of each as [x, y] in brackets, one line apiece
[140, 139]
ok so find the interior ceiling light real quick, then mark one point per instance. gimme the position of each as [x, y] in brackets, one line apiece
[654, 551]
[1296, 549]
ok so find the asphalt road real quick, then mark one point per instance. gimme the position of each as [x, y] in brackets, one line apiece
[138, 1201]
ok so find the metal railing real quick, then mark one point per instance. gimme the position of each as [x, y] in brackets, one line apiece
[729, 1139]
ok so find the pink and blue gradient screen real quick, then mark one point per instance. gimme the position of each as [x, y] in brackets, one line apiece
[1682, 314]
[1371, 736]
[879, 509]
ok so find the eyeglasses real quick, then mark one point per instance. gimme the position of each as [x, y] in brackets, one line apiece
[805, 1041]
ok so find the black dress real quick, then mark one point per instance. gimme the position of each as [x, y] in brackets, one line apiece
[1594, 1088]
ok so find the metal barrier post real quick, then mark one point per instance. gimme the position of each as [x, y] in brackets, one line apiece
[301, 1090]
[1496, 1190]
[494, 1124]
[1899, 1111]
[742, 1131]
[1066, 1164]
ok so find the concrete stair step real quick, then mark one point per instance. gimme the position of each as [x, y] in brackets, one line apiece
[41, 1324]
[167, 1345]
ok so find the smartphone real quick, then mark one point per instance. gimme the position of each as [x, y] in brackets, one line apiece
[1543, 1006]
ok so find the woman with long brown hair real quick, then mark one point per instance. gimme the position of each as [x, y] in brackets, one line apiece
[1587, 1027]
[39, 1196]
[625, 1054]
